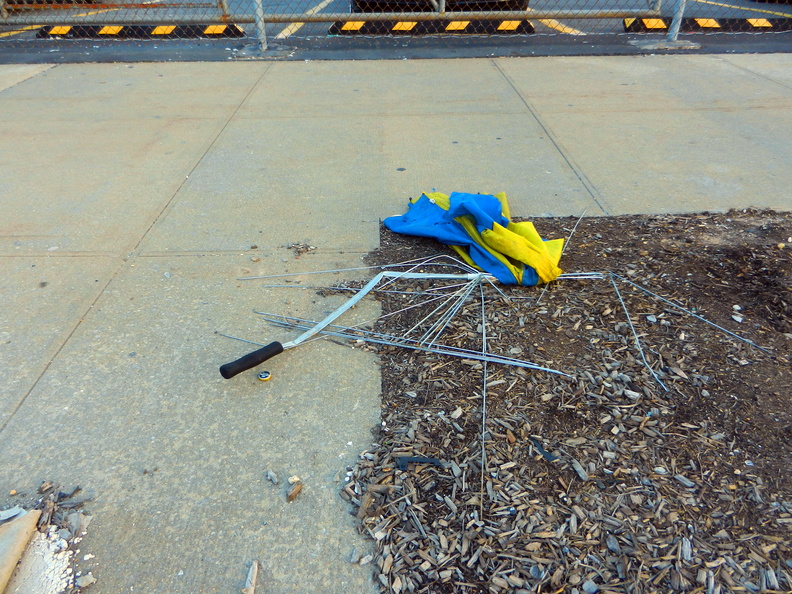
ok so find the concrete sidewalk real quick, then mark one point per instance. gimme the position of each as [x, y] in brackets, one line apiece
[132, 197]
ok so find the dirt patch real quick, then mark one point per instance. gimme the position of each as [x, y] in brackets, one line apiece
[725, 268]
[659, 468]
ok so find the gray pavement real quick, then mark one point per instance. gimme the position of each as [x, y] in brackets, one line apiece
[132, 196]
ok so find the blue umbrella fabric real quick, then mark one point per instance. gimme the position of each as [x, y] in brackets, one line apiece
[479, 229]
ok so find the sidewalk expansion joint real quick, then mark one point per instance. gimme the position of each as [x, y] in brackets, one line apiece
[62, 345]
[581, 176]
[758, 75]
[136, 249]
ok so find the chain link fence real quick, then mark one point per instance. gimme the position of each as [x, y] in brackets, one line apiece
[261, 21]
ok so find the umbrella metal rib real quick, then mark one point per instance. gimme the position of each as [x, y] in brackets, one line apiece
[447, 310]
[390, 340]
[635, 335]
[483, 400]
[352, 301]
[448, 301]
[437, 329]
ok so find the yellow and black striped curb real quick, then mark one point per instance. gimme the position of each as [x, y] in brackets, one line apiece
[140, 31]
[697, 25]
[443, 26]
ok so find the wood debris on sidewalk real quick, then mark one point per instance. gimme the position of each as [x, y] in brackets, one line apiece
[669, 475]
[48, 564]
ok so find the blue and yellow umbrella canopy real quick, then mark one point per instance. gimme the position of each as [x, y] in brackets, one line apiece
[479, 229]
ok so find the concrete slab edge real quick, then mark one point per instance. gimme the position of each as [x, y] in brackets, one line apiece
[665, 45]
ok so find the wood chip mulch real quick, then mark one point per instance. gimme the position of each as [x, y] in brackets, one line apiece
[603, 481]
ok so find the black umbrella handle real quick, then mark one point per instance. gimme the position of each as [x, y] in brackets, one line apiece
[250, 360]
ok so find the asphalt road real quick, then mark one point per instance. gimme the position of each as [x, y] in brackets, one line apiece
[551, 36]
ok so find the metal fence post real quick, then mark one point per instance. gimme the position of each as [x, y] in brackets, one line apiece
[679, 11]
[223, 6]
[261, 26]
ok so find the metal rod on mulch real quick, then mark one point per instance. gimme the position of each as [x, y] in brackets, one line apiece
[395, 341]
[255, 358]
[635, 335]
[690, 313]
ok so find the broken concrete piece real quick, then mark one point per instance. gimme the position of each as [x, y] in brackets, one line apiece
[78, 522]
[252, 578]
[14, 537]
[7, 514]
[85, 580]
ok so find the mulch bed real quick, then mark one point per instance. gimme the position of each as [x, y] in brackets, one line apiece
[618, 478]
